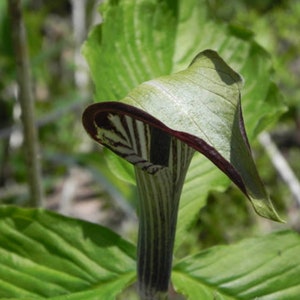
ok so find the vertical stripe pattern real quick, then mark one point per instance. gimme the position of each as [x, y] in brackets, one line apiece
[128, 138]
[159, 199]
[161, 162]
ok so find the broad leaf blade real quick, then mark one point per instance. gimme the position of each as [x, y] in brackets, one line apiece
[134, 43]
[256, 268]
[195, 290]
[46, 255]
[202, 177]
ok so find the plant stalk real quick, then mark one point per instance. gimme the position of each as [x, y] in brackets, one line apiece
[159, 195]
[27, 103]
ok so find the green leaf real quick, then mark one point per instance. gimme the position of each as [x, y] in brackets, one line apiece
[135, 43]
[46, 255]
[124, 171]
[202, 177]
[256, 268]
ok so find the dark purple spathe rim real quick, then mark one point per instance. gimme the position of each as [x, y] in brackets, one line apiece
[97, 112]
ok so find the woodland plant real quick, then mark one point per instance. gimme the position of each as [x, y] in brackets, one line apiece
[196, 109]
[179, 123]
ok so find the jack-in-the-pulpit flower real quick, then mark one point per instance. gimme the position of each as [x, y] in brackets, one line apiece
[157, 128]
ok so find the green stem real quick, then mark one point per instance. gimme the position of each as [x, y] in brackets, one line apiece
[159, 199]
[27, 103]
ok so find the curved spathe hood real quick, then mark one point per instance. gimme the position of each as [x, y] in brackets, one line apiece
[199, 106]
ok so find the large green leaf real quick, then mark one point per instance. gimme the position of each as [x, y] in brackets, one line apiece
[124, 51]
[45, 255]
[135, 43]
[266, 268]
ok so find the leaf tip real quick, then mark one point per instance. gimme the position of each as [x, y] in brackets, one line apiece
[265, 209]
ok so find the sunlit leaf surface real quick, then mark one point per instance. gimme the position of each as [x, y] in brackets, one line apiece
[256, 268]
[43, 255]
